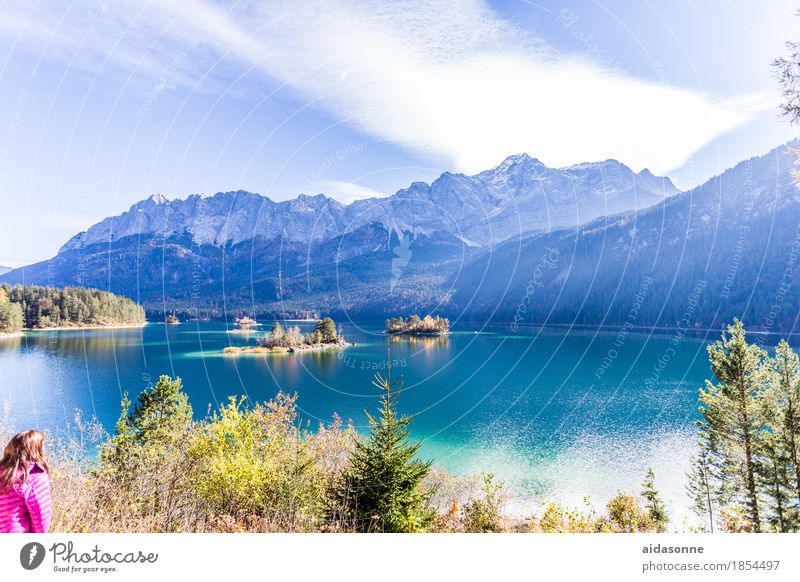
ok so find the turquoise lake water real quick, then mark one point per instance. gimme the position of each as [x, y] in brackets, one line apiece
[558, 414]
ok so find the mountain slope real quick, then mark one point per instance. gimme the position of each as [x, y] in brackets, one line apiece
[727, 248]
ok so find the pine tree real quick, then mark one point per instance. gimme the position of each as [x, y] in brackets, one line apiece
[382, 490]
[144, 458]
[784, 394]
[772, 474]
[731, 417]
[160, 409]
[327, 330]
[778, 453]
[160, 416]
[700, 488]
[653, 503]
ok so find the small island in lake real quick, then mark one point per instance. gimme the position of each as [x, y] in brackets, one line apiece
[414, 326]
[172, 320]
[245, 325]
[324, 336]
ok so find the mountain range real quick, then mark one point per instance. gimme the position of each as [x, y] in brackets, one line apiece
[521, 242]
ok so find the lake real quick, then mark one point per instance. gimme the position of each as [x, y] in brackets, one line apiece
[556, 413]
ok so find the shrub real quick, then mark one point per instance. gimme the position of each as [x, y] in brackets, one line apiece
[626, 515]
[254, 463]
[484, 513]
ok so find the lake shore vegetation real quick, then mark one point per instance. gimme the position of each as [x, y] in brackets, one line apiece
[34, 307]
[258, 468]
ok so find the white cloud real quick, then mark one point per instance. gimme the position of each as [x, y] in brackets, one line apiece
[344, 192]
[451, 79]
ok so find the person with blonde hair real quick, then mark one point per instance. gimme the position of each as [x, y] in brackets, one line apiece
[25, 505]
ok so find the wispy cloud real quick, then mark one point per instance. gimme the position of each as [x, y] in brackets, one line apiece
[344, 192]
[451, 79]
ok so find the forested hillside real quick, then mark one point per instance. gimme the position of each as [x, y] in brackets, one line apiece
[34, 307]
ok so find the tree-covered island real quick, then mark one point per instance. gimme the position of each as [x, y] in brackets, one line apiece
[292, 339]
[414, 326]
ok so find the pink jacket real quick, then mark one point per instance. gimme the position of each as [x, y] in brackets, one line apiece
[26, 507]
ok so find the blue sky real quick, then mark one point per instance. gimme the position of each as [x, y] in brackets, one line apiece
[103, 103]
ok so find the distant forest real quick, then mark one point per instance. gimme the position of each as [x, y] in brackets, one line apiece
[35, 307]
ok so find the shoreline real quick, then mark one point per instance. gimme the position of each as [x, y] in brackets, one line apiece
[86, 327]
[16, 334]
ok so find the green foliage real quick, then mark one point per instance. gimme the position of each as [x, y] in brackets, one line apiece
[653, 503]
[626, 516]
[557, 519]
[145, 458]
[746, 475]
[11, 320]
[382, 489]
[732, 416]
[44, 307]
[483, 514]
[778, 467]
[255, 462]
[787, 69]
[326, 329]
[700, 489]
[239, 469]
[324, 332]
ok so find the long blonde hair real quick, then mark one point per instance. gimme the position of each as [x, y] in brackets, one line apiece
[25, 447]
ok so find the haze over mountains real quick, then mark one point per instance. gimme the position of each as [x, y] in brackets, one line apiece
[570, 244]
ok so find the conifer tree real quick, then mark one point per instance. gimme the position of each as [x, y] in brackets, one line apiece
[700, 488]
[327, 330]
[772, 465]
[732, 419]
[784, 409]
[143, 436]
[653, 502]
[382, 490]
